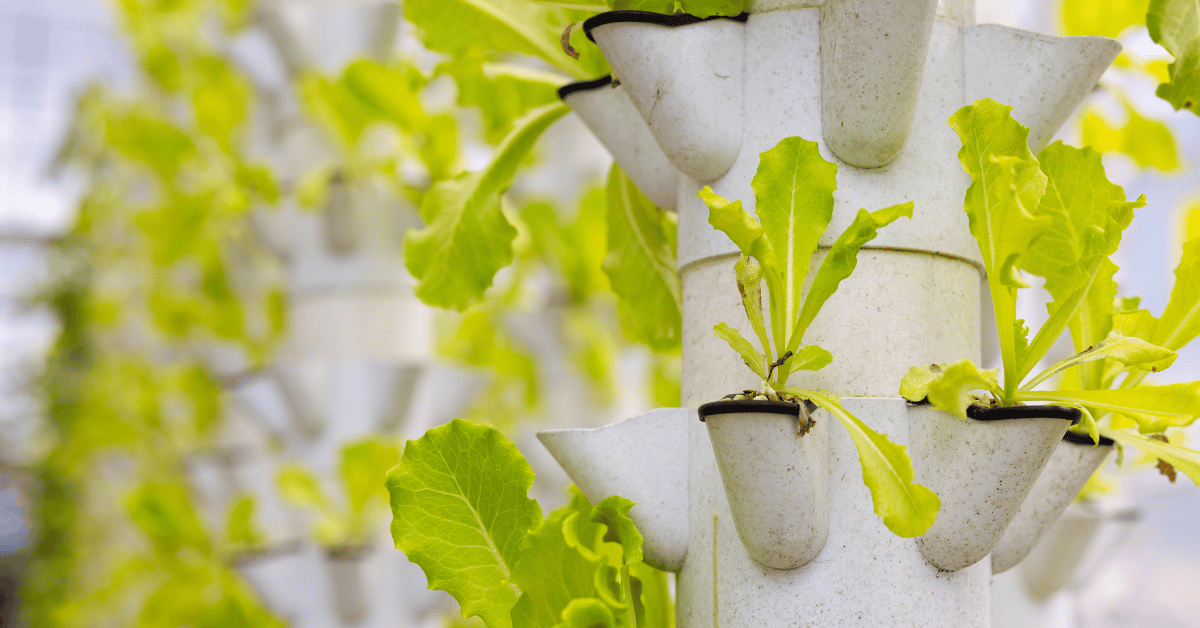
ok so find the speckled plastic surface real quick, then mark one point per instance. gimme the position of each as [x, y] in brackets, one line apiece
[610, 115]
[897, 309]
[686, 82]
[776, 478]
[982, 471]
[643, 459]
[1065, 474]
[1043, 78]
[872, 61]
[864, 576]
[783, 98]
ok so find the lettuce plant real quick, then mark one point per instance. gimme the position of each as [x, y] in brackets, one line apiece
[461, 512]
[1060, 218]
[350, 525]
[793, 191]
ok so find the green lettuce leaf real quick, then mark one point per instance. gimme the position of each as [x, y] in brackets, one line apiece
[1135, 323]
[1154, 408]
[1175, 24]
[473, 27]
[1180, 321]
[915, 384]
[1108, 19]
[641, 265]
[731, 219]
[386, 94]
[1006, 184]
[752, 357]
[467, 238]
[841, 261]
[653, 6]
[165, 513]
[749, 276]
[298, 485]
[1182, 458]
[1086, 213]
[809, 358]
[502, 91]
[1127, 350]
[364, 468]
[1150, 143]
[707, 8]
[587, 613]
[461, 510]
[1093, 322]
[907, 508]
[574, 555]
[793, 193]
[951, 391]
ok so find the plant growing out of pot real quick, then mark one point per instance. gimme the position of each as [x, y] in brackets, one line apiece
[1100, 319]
[977, 442]
[345, 530]
[772, 452]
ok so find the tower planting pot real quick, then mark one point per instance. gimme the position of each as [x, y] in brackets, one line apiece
[873, 82]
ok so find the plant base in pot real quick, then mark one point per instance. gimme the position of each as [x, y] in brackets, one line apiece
[774, 463]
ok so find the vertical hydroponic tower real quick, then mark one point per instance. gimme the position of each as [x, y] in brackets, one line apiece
[873, 81]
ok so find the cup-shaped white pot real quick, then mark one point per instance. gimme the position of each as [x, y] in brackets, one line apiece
[605, 107]
[1074, 461]
[982, 468]
[684, 75]
[775, 469]
[348, 579]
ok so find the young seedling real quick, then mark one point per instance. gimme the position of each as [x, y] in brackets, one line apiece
[1059, 217]
[345, 529]
[793, 191]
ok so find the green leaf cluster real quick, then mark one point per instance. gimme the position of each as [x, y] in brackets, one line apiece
[1175, 24]
[461, 512]
[349, 524]
[1059, 217]
[793, 191]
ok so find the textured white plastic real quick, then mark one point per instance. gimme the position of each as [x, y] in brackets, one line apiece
[686, 82]
[643, 459]
[932, 316]
[982, 471]
[1065, 474]
[1043, 78]
[610, 115]
[783, 98]
[776, 479]
[872, 60]
[390, 325]
[865, 575]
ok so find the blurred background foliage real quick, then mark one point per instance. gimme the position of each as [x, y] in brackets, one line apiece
[167, 291]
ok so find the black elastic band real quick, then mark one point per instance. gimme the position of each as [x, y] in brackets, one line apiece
[583, 86]
[649, 17]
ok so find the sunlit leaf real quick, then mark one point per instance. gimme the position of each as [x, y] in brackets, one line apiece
[1150, 143]
[461, 512]
[1175, 24]
[641, 265]
[907, 508]
[467, 238]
